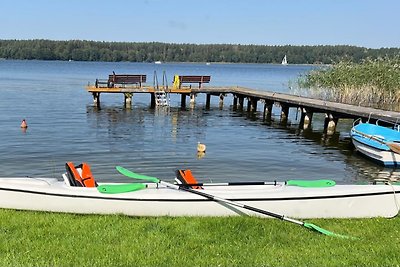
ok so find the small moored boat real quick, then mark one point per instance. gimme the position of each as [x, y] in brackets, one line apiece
[377, 142]
[294, 200]
[284, 61]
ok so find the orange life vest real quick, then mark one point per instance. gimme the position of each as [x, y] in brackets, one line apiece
[186, 177]
[84, 178]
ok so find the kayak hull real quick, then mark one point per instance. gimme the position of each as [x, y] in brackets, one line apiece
[340, 201]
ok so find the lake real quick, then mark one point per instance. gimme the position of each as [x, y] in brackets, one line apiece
[65, 126]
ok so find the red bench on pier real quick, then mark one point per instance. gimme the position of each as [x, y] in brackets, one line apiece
[200, 79]
[124, 79]
[120, 80]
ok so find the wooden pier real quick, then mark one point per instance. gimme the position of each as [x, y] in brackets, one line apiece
[307, 106]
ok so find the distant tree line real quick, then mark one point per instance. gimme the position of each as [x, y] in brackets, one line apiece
[168, 52]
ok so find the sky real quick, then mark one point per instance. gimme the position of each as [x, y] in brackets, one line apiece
[365, 23]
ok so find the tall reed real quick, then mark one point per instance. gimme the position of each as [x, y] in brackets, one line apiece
[372, 83]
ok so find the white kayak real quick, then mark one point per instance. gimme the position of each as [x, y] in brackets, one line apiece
[339, 201]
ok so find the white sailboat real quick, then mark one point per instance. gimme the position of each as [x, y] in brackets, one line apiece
[284, 60]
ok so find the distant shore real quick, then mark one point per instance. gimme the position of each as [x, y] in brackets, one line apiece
[77, 50]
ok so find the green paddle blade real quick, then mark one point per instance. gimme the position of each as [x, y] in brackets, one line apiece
[133, 175]
[311, 183]
[120, 188]
[324, 231]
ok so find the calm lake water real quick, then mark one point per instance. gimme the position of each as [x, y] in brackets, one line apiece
[65, 126]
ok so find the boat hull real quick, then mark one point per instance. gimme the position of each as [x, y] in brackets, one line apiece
[373, 141]
[386, 158]
[340, 201]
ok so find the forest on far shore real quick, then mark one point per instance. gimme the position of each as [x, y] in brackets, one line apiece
[80, 50]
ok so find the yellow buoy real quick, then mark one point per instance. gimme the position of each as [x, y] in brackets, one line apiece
[201, 147]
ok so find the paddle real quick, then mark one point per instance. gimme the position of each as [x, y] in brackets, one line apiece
[120, 188]
[392, 146]
[300, 183]
[311, 226]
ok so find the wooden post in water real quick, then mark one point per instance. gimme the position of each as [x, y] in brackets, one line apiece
[183, 101]
[284, 113]
[248, 104]
[235, 102]
[128, 100]
[96, 99]
[192, 98]
[306, 118]
[208, 101]
[268, 110]
[221, 101]
[241, 101]
[330, 123]
[253, 104]
[153, 100]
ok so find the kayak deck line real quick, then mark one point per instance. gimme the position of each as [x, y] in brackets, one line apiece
[102, 197]
[350, 195]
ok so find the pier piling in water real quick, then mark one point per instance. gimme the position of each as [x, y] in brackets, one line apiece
[268, 110]
[330, 123]
[305, 118]
[128, 100]
[308, 106]
[284, 113]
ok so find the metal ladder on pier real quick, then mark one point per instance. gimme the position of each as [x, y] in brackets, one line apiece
[161, 93]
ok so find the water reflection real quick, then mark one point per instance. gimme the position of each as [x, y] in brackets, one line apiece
[200, 154]
[158, 141]
[358, 167]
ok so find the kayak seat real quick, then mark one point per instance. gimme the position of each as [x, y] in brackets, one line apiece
[80, 175]
[185, 177]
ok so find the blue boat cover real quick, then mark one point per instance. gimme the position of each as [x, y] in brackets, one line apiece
[375, 135]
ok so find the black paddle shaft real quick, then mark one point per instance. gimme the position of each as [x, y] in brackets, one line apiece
[234, 183]
[215, 198]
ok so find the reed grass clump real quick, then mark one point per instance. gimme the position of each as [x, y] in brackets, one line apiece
[371, 83]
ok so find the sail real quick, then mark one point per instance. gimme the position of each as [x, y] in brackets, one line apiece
[284, 60]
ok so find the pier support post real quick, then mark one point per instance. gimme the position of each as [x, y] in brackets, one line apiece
[268, 110]
[241, 102]
[235, 102]
[183, 101]
[153, 100]
[221, 101]
[253, 104]
[208, 101]
[96, 99]
[248, 104]
[128, 100]
[192, 98]
[284, 113]
[330, 124]
[306, 118]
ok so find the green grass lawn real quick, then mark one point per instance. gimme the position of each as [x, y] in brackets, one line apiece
[51, 239]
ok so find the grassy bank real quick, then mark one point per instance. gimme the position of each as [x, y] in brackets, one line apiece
[48, 239]
[373, 83]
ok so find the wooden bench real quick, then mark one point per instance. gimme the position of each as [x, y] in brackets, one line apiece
[124, 79]
[193, 79]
